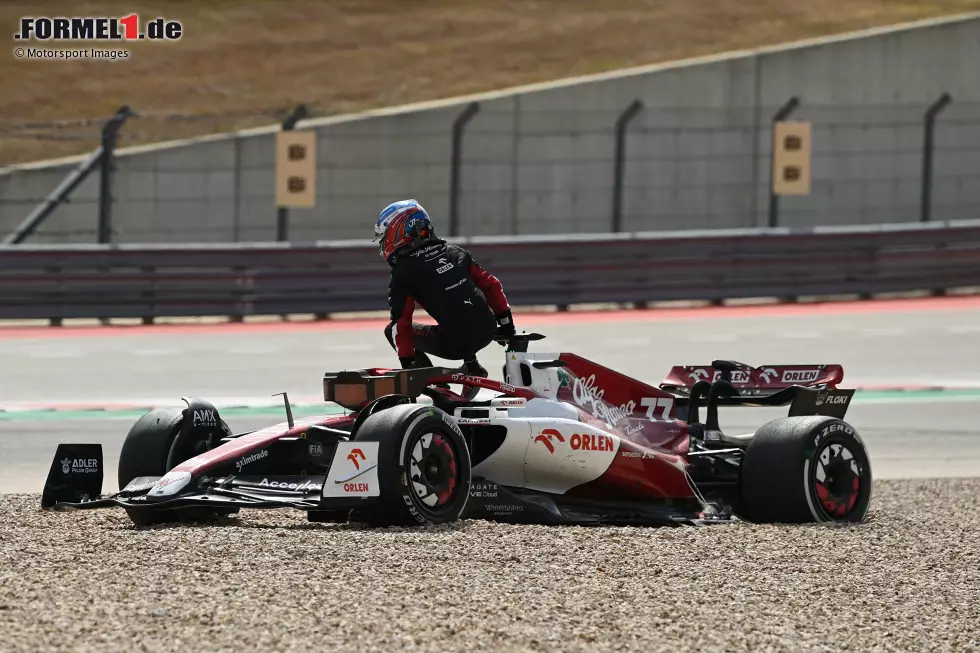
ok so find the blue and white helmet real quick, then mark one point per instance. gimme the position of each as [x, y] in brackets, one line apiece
[399, 224]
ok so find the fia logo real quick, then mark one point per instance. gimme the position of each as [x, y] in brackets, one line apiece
[316, 449]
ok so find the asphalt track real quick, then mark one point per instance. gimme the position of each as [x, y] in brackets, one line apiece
[930, 348]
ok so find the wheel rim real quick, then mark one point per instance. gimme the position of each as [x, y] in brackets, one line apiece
[837, 480]
[434, 471]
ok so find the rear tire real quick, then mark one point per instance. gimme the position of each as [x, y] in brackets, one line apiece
[805, 469]
[424, 468]
[144, 453]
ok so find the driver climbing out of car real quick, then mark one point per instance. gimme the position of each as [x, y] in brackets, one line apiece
[467, 302]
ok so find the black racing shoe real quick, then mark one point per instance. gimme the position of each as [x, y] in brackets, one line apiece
[473, 368]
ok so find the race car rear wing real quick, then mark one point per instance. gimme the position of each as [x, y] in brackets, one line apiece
[762, 380]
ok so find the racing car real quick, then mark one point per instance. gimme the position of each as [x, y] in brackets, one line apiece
[560, 440]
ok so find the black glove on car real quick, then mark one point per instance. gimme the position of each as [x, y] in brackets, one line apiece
[505, 324]
[408, 363]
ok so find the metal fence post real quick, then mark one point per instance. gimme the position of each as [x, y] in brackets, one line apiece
[622, 122]
[783, 113]
[458, 125]
[109, 133]
[282, 213]
[927, 148]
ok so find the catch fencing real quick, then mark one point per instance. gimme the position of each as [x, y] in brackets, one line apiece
[148, 282]
[490, 168]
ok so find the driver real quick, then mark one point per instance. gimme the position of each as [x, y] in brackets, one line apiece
[466, 301]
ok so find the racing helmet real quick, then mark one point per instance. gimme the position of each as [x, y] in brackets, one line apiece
[401, 224]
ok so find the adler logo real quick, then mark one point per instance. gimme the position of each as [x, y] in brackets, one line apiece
[80, 466]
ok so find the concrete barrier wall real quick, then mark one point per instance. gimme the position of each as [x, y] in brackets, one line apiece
[540, 159]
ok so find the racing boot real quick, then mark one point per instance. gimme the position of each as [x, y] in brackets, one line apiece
[472, 367]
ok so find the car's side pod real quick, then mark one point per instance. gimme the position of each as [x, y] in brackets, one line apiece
[75, 475]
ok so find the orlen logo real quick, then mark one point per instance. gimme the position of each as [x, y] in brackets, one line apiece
[589, 442]
[738, 376]
[354, 455]
[356, 487]
[768, 374]
[546, 436]
[800, 376]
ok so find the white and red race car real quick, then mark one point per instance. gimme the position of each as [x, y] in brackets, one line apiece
[562, 440]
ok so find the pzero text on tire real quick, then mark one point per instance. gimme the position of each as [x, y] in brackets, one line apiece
[423, 466]
[805, 469]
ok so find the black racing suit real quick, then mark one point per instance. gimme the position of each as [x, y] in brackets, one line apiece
[465, 300]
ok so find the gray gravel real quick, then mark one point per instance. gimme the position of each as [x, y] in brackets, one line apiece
[906, 580]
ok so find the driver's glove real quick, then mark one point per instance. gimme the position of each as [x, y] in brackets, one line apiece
[505, 324]
[408, 362]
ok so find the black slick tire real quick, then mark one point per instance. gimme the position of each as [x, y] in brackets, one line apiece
[805, 469]
[424, 469]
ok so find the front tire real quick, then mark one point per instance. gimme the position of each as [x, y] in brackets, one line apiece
[144, 453]
[805, 469]
[424, 467]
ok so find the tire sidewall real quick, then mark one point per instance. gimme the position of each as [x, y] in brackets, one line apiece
[398, 503]
[837, 432]
[777, 474]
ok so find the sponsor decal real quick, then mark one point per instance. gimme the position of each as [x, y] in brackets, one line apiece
[589, 442]
[504, 402]
[499, 509]
[800, 376]
[545, 438]
[79, 465]
[824, 398]
[251, 458]
[353, 471]
[577, 441]
[738, 376]
[590, 396]
[637, 454]
[354, 455]
[445, 266]
[633, 430]
[316, 449]
[298, 487]
[140, 487]
[476, 380]
[564, 378]
[769, 374]
[483, 490]
[170, 484]
[205, 418]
